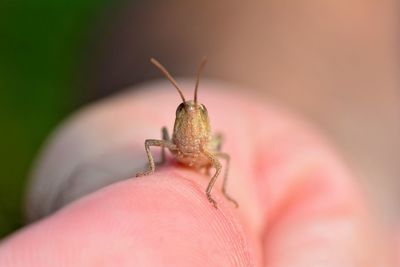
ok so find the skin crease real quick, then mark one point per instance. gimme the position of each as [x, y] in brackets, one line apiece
[299, 205]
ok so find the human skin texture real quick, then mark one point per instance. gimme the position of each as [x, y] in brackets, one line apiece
[298, 202]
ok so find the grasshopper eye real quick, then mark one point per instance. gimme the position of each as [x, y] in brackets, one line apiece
[180, 108]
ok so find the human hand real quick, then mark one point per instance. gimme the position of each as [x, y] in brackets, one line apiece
[298, 203]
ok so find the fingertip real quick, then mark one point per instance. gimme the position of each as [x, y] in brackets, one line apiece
[159, 220]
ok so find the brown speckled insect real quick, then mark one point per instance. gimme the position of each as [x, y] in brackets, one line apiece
[192, 143]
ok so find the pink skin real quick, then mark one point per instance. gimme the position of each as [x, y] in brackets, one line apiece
[299, 205]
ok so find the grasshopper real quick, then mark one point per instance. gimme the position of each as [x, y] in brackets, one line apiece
[192, 143]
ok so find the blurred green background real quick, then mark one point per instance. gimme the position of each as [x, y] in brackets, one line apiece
[42, 47]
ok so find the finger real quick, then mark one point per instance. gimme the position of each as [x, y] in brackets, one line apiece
[292, 189]
[160, 220]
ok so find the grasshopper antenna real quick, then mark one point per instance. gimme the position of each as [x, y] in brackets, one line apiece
[201, 67]
[169, 77]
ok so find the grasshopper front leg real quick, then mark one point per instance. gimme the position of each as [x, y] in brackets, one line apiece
[217, 165]
[153, 142]
[165, 137]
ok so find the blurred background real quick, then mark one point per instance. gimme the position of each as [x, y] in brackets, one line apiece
[335, 62]
[42, 46]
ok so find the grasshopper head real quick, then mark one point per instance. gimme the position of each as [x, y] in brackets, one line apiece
[191, 123]
[192, 111]
[191, 116]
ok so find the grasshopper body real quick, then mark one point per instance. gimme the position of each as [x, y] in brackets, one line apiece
[192, 143]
